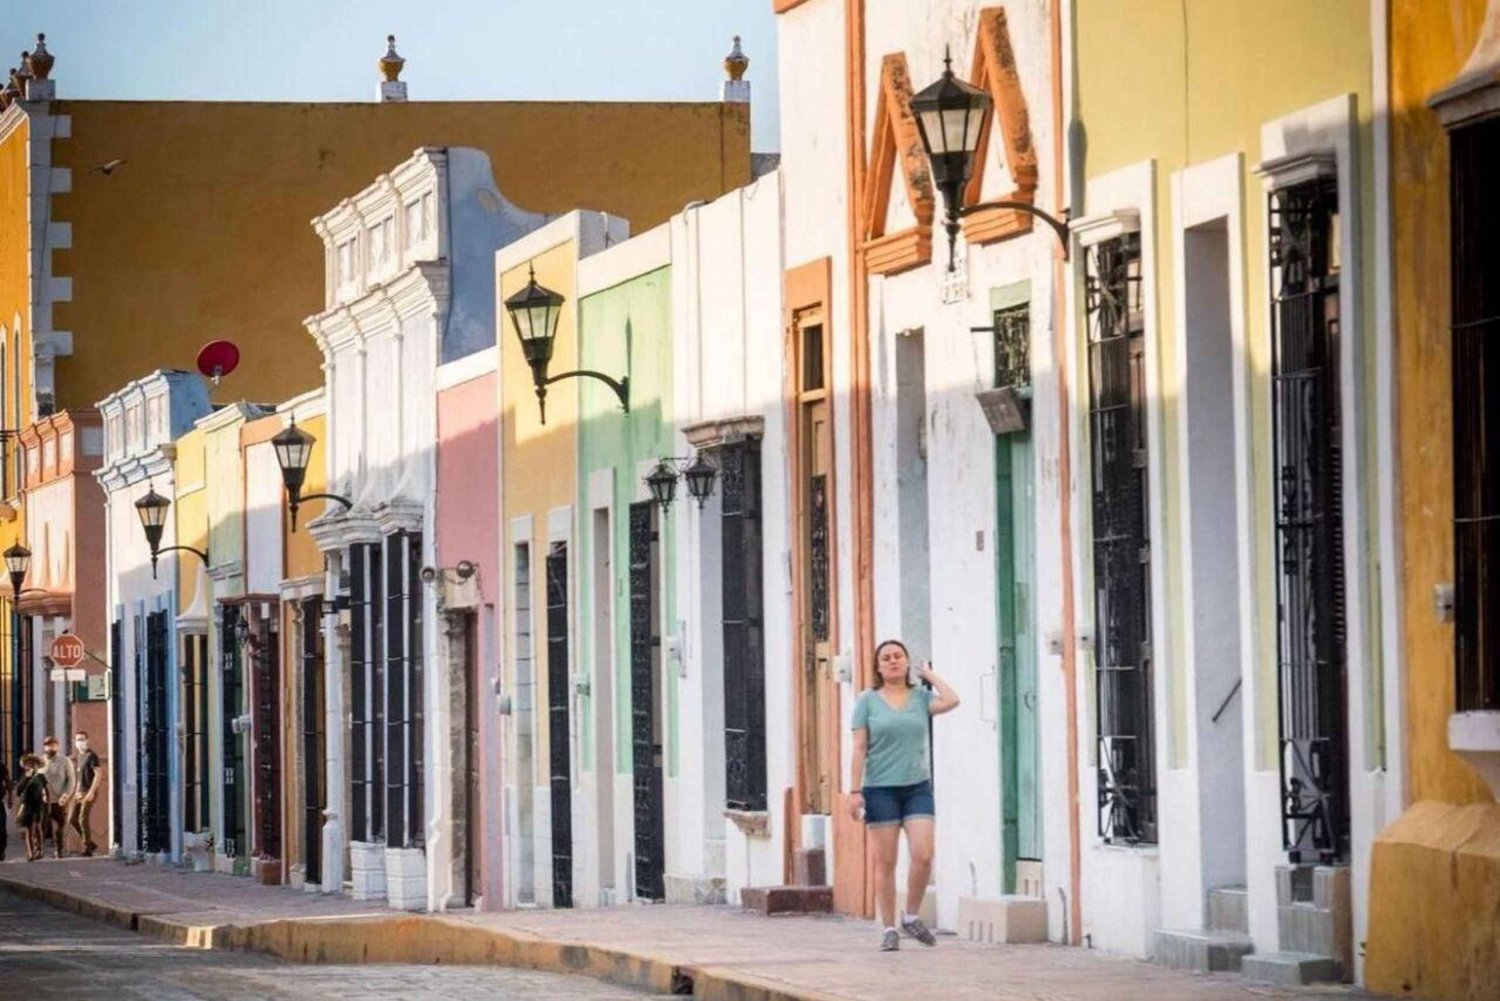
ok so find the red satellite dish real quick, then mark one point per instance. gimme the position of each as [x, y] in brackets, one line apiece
[217, 359]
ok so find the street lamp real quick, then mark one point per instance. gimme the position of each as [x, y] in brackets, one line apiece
[950, 117]
[152, 510]
[534, 311]
[293, 448]
[17, 564]
[700, 475]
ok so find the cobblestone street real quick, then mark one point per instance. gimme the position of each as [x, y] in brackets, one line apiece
[47, 954]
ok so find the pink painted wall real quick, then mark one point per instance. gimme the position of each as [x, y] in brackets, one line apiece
[468, 528]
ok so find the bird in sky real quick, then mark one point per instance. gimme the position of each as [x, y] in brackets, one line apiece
[108, 168]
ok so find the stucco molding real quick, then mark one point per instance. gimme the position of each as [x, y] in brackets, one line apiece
[896, 141]
[1095, 229]
[1475, 93]
[994, 69]
[400, 514]
[338, 530]
[715, 433]
[1297, 168]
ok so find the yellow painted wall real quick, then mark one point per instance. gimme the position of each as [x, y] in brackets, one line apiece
[190, 508]
[1435, 874]
[179, 245]
[539, 463]
[1186, 83]
[302, 555]
[15, 301]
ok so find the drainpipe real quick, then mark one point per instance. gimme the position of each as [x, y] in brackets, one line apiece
[1060, 327]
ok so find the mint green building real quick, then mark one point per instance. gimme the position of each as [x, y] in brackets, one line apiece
[628, 726]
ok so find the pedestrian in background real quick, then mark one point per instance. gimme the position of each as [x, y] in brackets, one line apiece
[61, 783]
[90, 777]
[892, 769]
[31, 805]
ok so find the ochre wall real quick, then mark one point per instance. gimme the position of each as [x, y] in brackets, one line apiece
[204, 231]
[1435, 873]
[14, 300]
[1429, 42]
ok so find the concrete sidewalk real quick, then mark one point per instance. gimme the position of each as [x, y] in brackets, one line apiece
[707, 952]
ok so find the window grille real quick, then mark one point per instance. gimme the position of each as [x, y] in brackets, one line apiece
[1309, 519]
[744, 635]
[1475, 209]
[1119, 451]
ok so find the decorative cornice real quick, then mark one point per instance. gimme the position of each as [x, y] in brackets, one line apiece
[725, 430]
[1094, 229]
[896, 142]
[399, 515]
[1475, 93]
[1297, 168]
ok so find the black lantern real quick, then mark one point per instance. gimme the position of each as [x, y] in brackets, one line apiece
[152, 510]
[663, 484]
[293, 451]
[699, 475]
[950, 118]
[17, 564]
[700, 480]
[534, 311]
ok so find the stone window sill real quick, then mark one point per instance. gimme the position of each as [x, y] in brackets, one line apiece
[1475, 737]
[752, 823]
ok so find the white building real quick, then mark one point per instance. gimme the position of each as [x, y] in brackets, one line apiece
[410, 285]
[141, 422]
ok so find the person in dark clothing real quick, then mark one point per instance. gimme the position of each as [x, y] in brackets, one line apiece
[90, 777]
[31, 805]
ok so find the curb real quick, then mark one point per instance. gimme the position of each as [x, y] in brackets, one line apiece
[409, 939]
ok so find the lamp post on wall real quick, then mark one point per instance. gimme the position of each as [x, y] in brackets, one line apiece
[293, 448]
[534, 311]
[700, 476]
[152, 510]
[950, 119]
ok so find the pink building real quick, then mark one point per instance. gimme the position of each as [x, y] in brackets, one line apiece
[467, 579]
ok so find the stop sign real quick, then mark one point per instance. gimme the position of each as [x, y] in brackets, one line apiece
[67, 651]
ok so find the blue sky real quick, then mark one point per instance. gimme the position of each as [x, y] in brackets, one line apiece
[325, 50]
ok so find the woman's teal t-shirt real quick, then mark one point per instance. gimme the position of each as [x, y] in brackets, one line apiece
[897, 751]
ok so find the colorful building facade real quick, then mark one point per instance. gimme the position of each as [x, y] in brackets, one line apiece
[1435, 871]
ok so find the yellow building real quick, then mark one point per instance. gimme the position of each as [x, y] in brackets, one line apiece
[1434, 925]
[539, 486]
[1226, 363]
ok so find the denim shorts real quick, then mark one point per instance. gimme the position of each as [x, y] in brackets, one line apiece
[887, 806]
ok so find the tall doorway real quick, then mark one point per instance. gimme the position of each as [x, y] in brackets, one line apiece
[154, 812]
[645, 700]
[473, 791]
[314, 739]
[1015, 558]
[561, 759]
[265, 655]
[818, 741]
[604, 703]
[231, 692]
[1213, 555]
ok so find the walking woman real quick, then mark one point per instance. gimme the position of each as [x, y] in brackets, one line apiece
[893, 770]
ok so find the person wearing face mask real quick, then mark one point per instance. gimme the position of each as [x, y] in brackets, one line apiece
[61, 782]
[90, 778]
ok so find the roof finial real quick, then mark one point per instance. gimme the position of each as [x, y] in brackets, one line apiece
[736, 62]
[391, 63]
[41, 59]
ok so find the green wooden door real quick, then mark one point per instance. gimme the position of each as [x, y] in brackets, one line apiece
[1021, 830]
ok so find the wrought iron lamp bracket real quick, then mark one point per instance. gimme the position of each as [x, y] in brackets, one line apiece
[621, 386]
[201, 554]
[1059, 226]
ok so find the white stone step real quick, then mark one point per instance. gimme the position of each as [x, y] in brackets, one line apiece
[1006, 919]
[1229, 909]
[1291, 969]
[1201, 951]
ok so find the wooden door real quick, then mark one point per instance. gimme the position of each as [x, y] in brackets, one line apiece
[818, 741]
